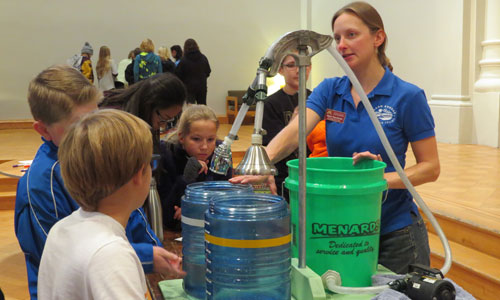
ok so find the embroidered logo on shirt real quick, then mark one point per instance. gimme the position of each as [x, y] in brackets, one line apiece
[385, 114]
[335, 116]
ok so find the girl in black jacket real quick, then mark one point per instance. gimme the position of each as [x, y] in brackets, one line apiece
[186, 154]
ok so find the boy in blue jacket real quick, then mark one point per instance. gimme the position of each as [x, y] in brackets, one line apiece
[58, 97]
[87, 254]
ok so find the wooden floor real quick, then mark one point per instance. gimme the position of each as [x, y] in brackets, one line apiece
[468, 189]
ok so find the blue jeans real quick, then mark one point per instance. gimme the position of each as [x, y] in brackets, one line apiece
[409, 245]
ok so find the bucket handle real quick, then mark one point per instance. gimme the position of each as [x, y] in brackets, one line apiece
[385, 198]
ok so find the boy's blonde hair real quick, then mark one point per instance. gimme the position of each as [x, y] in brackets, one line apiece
[192, 113]
[102, 152]
[54, 93]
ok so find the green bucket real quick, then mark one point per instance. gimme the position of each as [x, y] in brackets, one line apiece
[342, 216]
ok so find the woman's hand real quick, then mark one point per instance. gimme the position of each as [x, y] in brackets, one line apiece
[357, 157]
[257, 179]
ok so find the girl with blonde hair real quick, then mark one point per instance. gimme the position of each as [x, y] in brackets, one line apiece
[167, 64]
[106, 70]
[187, 152]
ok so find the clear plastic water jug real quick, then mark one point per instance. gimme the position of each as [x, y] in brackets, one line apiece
[194, 204]
[248, 247]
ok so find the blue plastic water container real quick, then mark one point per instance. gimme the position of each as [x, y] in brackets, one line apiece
[194, 204]
[248, 248]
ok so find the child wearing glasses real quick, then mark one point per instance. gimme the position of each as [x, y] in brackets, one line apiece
[87, 254]
[156, 100]
[279, 109]
[187, 153]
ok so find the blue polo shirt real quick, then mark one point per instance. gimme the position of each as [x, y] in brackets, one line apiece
[405, 116]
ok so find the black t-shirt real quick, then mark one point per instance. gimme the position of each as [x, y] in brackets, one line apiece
[278, 110]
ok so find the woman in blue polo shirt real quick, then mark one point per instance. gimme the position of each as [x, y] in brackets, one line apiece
[404, 114]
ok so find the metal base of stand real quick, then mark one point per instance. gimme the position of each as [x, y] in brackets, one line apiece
[306, 284]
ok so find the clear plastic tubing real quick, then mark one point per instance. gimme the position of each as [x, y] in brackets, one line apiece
[194, 204]
[248, 247]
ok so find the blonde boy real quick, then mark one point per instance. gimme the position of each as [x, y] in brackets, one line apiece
[87, 254]
[58, 97]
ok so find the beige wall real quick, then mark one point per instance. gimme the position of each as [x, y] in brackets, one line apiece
[431, 43]
[424, 41]
[232, 34]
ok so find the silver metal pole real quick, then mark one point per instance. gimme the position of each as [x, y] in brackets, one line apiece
[303, 62]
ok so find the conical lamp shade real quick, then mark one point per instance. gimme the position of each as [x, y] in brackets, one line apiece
[256, 162]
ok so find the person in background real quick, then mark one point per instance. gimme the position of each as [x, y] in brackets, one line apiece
[176, 51]
[156, 100]
[122, 66]
[193, 70]
[86, 63]
[147, 63]
[279, 109]
[58, 97]
[187, 152]
[106, 70]
[87, 254]
[129, 71]
[316, 141]
[404, 114]
[167, 64]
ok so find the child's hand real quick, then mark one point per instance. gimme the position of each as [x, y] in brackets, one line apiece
[166, 262]
[178, 212]
[204, 166]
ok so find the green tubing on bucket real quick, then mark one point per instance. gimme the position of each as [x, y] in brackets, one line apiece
[343, 216]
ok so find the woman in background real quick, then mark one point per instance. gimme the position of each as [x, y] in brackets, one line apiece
[129, 71]
[176, 53]
[194, 70]
[122, 66]
[106, 70]
[167, 64]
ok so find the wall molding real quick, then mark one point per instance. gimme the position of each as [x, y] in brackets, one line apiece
[450, 100]
[451, 97]
[450, 103]
[16, 124]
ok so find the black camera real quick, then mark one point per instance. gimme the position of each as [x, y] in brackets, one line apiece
[424, 283]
